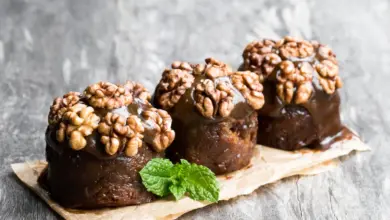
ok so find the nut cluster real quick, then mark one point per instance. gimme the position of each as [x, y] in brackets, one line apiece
[213, 92]
[177, 80]
[116, 132]
[328, 70]
[76, 116]
[174, 84]
[60, 106]
[78, 122]
[248, 83]
[261, 57]
[108, 95]
[293, 61]
[158, 128]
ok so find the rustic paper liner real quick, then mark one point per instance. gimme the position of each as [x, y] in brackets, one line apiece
[268, 165]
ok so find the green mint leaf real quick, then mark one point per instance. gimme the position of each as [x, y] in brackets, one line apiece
[185, 162]
[162, 178]
[200, 182]
[177, 191]
[156, 176]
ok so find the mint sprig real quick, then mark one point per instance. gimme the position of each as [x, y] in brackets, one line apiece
[156, 176]
[163, 178]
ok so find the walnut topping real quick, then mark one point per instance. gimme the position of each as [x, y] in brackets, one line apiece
[182, 66]
[116, 131]
[248, 83]
[177, 80]
[60, 105]
[108, 95]
[212, 99]
[199, 69]
[173, 84]
[290, 47]
[328, 70]
[102, 111]
[135, 141]
[158, 128]
[328, 74]
[261, 57]
[293, 78]
[139, 91]
[210, 87]
[77, 122]
[215, 68]
[293, 61]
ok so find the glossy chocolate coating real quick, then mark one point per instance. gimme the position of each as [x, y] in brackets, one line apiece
[290, 127]
[223, 144]
[292, 130]
[302, 104]
[91, 178]
[79, 179]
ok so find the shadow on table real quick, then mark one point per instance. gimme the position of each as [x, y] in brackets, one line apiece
[29, 201]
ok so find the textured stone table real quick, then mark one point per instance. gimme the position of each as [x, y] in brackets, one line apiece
[50, 47]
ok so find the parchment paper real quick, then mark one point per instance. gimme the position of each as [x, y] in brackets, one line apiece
[267, 165]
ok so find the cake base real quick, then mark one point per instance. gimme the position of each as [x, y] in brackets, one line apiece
[76, 179]
[268, 165]
[293, 129]
[222, 146]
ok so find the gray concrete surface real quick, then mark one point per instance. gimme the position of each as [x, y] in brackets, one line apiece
[49, 47]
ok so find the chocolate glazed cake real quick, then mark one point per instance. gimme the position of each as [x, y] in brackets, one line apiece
[301, 79]
[98, 141]
[213, 112]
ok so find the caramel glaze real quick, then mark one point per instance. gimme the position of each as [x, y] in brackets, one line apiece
[223, 144]
[321, 128]
[91, 178]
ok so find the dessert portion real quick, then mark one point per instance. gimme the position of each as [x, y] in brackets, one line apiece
[300, 80]
[213, 111]
[98, 141]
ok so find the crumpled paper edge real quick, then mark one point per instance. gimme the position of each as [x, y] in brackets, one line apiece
[268, 165]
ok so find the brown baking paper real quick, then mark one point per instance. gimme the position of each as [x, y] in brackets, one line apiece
[268, 165]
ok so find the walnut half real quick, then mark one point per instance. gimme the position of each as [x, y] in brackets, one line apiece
[292, 79]
[78, 122]
[60, 106]
[213, 99]
[174, 84]
[328, 76]
[215, 68]
[138, 90]
[261, 57]
[158, 130]
[248, 83]
[116, 131]
[290, 47]
[108, 95]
